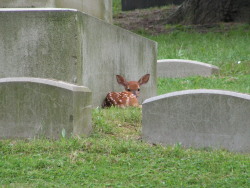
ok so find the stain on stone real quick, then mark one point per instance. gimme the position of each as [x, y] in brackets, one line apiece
[71, 118]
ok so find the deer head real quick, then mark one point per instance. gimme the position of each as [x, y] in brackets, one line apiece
[133, 86]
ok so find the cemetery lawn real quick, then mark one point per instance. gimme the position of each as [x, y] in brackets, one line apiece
[115, 156]
[229, 50]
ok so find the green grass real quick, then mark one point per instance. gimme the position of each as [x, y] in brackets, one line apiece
[237, 84]
[117, 7]
[115, 156]
[227, 50]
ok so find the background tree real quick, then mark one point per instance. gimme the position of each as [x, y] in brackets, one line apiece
[211, 11]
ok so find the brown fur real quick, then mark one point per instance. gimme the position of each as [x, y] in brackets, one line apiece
[127, 97]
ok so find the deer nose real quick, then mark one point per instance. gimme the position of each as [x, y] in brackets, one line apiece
[136, 93]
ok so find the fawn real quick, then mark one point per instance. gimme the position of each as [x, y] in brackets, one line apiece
[127, 97]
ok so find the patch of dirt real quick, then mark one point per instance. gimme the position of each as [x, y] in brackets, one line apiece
[153, 21]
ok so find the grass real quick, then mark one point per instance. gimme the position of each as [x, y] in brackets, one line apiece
[227, 50]
[115, 156]
[108, 160]
[237, 84]
[117, 7]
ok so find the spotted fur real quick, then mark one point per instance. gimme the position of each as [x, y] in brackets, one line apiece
[127, 98]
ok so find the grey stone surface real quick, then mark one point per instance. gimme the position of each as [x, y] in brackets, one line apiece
[198, 118]
[101, 9]
[177, 68]
[68, 45]
[34, 107]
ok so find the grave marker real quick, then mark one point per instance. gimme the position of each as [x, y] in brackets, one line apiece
[198, 118]
[34, 107]
[179, 68]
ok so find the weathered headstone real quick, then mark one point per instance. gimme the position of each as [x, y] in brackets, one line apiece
[101, 9]
[140, 4]
[34, 107]
[198, 118]
[68, 45]
[179, 68]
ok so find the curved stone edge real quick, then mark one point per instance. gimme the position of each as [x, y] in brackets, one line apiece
[198, 91]
[210, 68]
[187, 61]
[161, 126]
[73, 101]
[51, 82]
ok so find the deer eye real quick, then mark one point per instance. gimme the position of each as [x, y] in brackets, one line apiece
[139, 89]
[128, 89]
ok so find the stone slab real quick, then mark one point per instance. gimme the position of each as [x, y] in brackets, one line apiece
[141, 4]
[101, 9]
[198, 118]
[35, 107]
[179, 68]
[68, 45]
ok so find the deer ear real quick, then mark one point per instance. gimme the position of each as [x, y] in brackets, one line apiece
[121, 80]
[144, 79]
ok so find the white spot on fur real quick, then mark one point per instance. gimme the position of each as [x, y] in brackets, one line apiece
[127, 101]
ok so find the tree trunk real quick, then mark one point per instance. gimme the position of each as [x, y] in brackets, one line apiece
[211, 11]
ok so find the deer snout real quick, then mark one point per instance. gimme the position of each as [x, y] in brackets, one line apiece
[136, 93]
